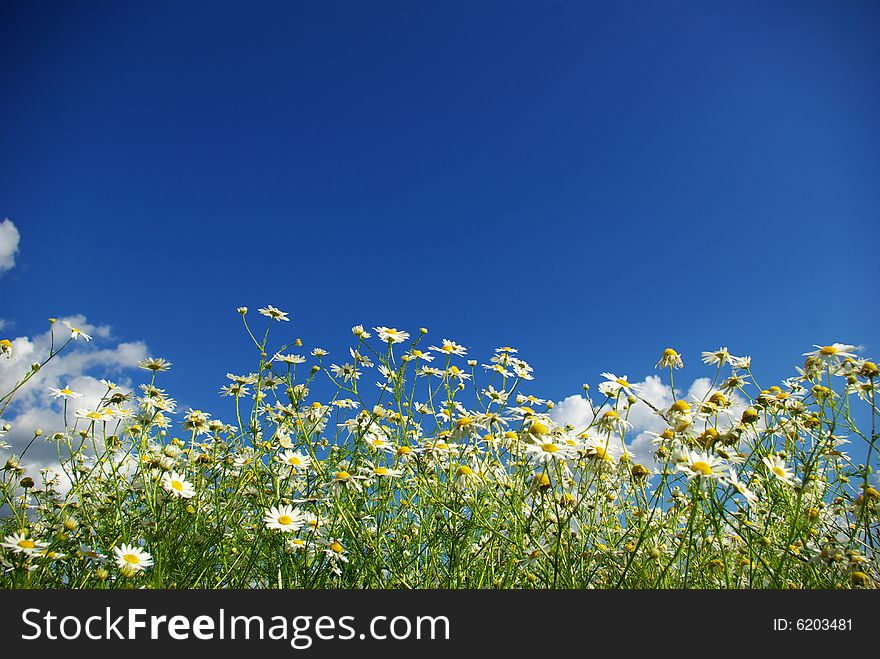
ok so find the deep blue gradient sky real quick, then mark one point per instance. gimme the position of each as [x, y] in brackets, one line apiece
[589, 182]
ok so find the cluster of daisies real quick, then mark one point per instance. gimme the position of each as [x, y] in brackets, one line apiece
[407, 463]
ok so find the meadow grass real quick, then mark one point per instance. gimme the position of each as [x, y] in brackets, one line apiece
[448, 474]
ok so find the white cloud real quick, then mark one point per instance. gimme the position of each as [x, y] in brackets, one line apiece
[80, 367]
[9, 239]
[576, 410]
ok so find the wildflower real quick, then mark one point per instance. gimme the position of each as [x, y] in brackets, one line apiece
[289, 359]
[546, 450]
[335, 551]
[344, 479]
[614, 384]
[741, 363]
[701, 465]
[381, 471]
[131, 559]
[611, 421]
[734, 482]
[93, 415]
[776, 466]
[6, 348]
[832, 353]
[455, 372]
[275, 314]
[75, 332]
[19, 543]
[65, 393]
[450, 348]
[720, 356]
[602, 449]
[176, 485]
[284, 518]
[360, 332]
[294, 460]
[155, 364]
[391, 334]
[669, 359]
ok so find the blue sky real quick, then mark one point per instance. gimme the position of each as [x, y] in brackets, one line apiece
[588, 182]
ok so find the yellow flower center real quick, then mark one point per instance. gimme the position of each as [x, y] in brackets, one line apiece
[622, 382]
[550, 447]
[336, 547]
[342, 475]
[177, 485]
[441, 445]
[295, 461]
[700, 467]
[828, 351]
[669, 352]
[66, 391]
[779, 471]
[448, 348]
[680, 406]
[464, 470]
[601, 453]
[132, 559]
[404, 450]
[285, 520]
[27, 544]
[381, 471]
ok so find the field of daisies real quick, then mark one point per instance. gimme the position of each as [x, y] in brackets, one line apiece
[419, 466]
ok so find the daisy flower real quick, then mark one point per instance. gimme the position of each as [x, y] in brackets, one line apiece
[284, 518]
[344, 479]
[275, 314]
[132, 559]
[602, 449]
[19, 543]
[391, 334]
[720, 356]
[289, 359]
[546, 450]
[702, 465]
[611, 421]
[75, 332]
[466, 477]
[177, 485]
[734, 481]
[65, 393]
[92, 415]
[334, 550]
[380, 471]
[450, 348]
[360, 332]
[776, 466]
[455, 372]
[833, 352]
[614, 384]
[669, 359]
[294, 460]
[155, 364]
